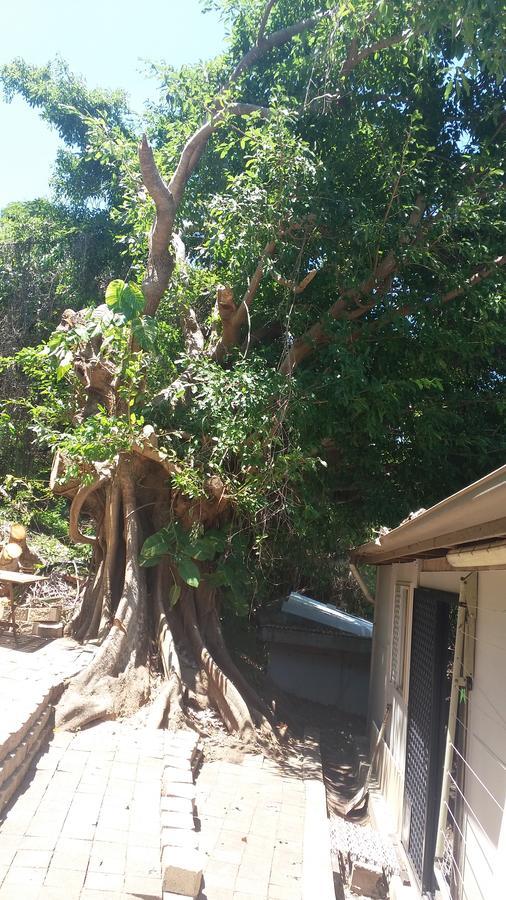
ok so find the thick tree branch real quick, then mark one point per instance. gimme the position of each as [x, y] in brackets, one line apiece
[277, 39]
[196, 144]
[232, 317]
[292, 285]
[355, 57]
[167, 198]
[474, 280]
[82, 495]
[160, 260]
[353, 303]
[316, 336]
[263, 21]
[194, 339]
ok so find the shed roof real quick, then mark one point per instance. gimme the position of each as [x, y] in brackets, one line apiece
[476, 513]
[329, 616]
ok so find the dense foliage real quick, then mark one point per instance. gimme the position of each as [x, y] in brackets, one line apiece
[355, 394]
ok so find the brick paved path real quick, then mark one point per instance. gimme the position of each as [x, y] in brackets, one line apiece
[26, 678]
[87, 824]
[252, 816]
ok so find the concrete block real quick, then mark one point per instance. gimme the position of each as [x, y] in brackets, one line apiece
[44, 614]
[182, 871]
[366, 880]
[20, 613]
[48, 629]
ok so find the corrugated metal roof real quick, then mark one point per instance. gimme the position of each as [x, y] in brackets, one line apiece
[329, 616]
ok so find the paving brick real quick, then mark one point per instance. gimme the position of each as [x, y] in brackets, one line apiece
[107, 857]
[112, 835]
[57, 877]
[144, 839]
[178, 789]
[33, 859]
[53, 892]
[176, 805]
[103, 881]
[259, 894]
[287, 891]
[252, 884]
[147, 887]
[13, 892]
[221, 874]
[176, 820]
[168, 895]
[22, 875]
[71, 854]
[172, 776]
[212, 893]
[143, 861]
[177, 837]
[103, 895]
[8, 848]
[231, 855]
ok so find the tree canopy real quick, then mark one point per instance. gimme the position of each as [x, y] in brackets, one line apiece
[315, 345]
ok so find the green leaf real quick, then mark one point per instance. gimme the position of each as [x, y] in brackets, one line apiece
[126, 299]
[114, 292]
[155, 547]
[203, 549]
[189, 571]
[144, 332]
[132, 301]
[216, 579]
[65, 365]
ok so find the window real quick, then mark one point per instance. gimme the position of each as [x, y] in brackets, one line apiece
[401, 627]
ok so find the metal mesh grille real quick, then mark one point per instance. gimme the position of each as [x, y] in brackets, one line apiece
[396, 636]
[420, 724]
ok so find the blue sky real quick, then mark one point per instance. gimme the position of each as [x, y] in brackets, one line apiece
[105, 41]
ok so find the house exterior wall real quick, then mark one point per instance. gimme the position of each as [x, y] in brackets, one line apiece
[485, 767]
[392, 754]
[485, 785]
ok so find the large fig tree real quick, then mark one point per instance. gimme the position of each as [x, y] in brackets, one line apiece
[309, 331]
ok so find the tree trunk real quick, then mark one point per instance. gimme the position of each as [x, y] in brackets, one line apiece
[126, 609]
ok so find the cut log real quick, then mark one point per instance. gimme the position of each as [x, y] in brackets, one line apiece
[9, 556]
[18, 534]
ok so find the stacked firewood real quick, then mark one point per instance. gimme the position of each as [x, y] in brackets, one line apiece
[15, 555]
